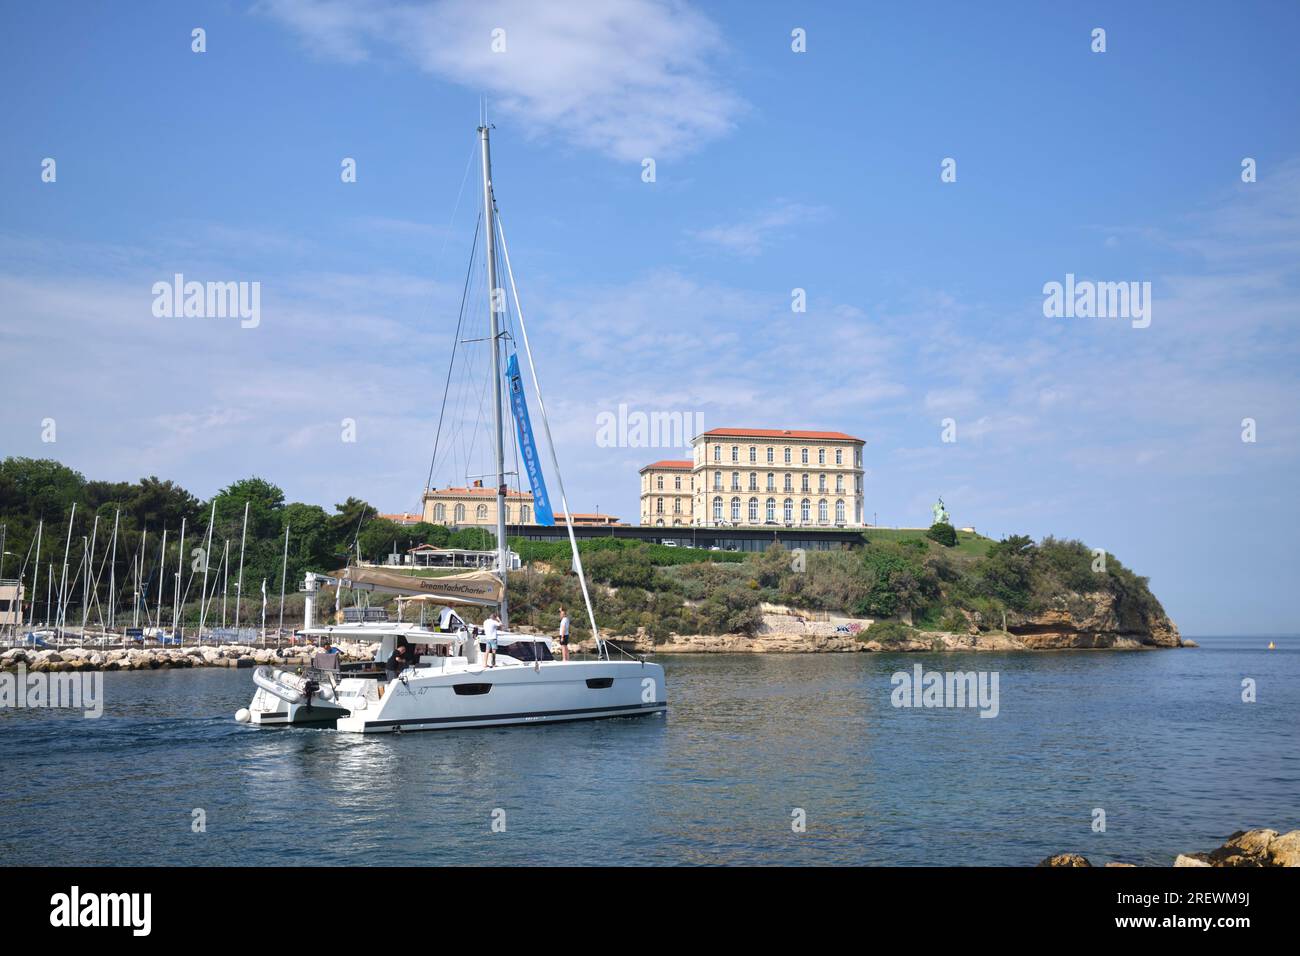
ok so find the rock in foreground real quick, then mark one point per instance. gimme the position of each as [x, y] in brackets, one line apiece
[1243, 848]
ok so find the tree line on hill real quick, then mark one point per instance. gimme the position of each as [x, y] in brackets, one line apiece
[32, 490]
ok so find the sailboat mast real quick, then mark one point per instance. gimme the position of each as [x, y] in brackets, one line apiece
[496, 303]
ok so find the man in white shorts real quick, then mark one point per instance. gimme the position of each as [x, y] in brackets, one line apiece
[490, 628]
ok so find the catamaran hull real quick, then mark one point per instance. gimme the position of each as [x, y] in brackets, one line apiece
[445, 699]
[550, 692]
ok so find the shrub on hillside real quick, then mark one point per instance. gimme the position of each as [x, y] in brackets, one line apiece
[944, 533]
[887, 632]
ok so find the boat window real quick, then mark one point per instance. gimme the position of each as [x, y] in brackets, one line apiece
[471, 690]
[600, 683]
[525, 650]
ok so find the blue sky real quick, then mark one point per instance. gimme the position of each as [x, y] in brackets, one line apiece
[774, 171]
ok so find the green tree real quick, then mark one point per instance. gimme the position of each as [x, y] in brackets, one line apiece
[944, 533]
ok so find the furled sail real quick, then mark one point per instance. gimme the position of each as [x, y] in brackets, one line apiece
[472, 587]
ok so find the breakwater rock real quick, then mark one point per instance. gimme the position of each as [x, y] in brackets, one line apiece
[136, 659]
[1243, 848]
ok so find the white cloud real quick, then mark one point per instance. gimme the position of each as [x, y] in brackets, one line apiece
[631, 78]
[751, 236]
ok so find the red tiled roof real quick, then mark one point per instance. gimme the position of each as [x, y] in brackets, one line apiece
[778, 433]
[489, 492]
[671, 463]
[402, 518]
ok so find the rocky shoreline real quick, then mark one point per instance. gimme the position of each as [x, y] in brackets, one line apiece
[1248, 848]
[1075, 622]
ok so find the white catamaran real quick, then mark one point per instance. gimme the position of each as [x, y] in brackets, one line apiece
[442, 679]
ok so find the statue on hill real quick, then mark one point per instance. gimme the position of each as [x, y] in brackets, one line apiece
[940, 513]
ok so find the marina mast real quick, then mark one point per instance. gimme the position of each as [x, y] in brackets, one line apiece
[496, 304]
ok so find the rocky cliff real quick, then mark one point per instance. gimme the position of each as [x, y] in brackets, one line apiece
[1101, 619]
[1075, 621]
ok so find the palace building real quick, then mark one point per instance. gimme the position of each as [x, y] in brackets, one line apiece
[475, 507]
[747, 477]
[668, 493]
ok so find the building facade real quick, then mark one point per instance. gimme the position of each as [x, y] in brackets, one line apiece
[668, 494]
[475, 507]
[746, 477]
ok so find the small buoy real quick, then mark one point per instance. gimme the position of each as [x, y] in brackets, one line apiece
[1272, 646]
[242, 715]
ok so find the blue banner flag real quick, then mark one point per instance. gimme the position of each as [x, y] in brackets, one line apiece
[527, 449]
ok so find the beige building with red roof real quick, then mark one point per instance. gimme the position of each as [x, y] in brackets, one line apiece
[475, 506]
[777, 477]
[668, 493]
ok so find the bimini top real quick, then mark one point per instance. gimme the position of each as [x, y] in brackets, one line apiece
[482, 588]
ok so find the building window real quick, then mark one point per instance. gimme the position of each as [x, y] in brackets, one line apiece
[803, 482]
[481, 512]
[440, 513]
[805, 507]
[823, 512]
[717, 453]
[839, 512]
[771, 509]
[717, 481]
[789, 484]
[735, 453]
[839, 484]
[735, 510]
[803, 456]
[460, 514]
[839, 456]
[735, 481]
[771, 457]
[677, 506]
[753, 481]
[717, 509]
[525, 514]
[659, 507]
[787, 456]
[753, 511]
[753, 453]
[660, 481]
[677, 483]
[821, 456]
[771, 482]
[821, 482]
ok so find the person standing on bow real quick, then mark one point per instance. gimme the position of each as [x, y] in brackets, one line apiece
[490, 628]
[564, 633]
